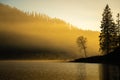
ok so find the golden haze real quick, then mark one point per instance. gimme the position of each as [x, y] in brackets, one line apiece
[40, 31]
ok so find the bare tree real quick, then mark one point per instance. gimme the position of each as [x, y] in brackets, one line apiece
[81, 41]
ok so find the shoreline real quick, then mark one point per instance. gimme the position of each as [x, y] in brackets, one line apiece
[33, 61]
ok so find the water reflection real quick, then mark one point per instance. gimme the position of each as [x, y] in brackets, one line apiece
[42, 71]
[109, 72]
[23, 70]
[98, 72]
[81, 68]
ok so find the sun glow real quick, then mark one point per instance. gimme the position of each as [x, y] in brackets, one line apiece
[80, 13]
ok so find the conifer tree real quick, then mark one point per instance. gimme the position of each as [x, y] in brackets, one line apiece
[108, 32]
[118, 29]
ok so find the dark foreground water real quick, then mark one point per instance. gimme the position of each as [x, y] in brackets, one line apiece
[35, 70]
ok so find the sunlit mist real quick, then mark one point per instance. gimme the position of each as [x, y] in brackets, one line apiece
[40, 33]
[84, 14]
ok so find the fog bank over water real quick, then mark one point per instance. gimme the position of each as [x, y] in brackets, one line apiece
[28, 32]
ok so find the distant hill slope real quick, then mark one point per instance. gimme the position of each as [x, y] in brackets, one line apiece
[31, 32]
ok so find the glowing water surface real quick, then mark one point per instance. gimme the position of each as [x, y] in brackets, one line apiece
[37, 70]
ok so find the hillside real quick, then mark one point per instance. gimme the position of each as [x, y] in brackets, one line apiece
[30, 33]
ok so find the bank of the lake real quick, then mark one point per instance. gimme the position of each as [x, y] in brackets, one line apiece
[111, 58]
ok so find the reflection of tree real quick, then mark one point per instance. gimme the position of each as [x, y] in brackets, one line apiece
[108, 72]
[81, 71]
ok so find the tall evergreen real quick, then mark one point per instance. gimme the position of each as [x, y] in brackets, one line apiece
[118, 29]
[108, 32]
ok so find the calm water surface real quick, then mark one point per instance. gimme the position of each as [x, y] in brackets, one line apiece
[35, 70]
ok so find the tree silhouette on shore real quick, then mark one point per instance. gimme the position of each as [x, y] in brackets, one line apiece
[81, 41]
[109, 32]
[118, 29]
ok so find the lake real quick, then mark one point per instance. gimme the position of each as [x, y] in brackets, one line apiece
[37, 70]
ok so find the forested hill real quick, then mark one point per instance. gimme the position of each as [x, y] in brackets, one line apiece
[25, 32]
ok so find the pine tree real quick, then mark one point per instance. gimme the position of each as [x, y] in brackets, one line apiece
[108, 32]
[118, 29]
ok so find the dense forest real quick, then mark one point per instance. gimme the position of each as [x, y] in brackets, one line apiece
[27, 35]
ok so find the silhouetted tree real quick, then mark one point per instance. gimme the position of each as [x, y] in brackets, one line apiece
[81, 41]
[118, 29]
[108, 32]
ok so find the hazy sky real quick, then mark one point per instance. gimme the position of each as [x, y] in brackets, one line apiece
[85, 14]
